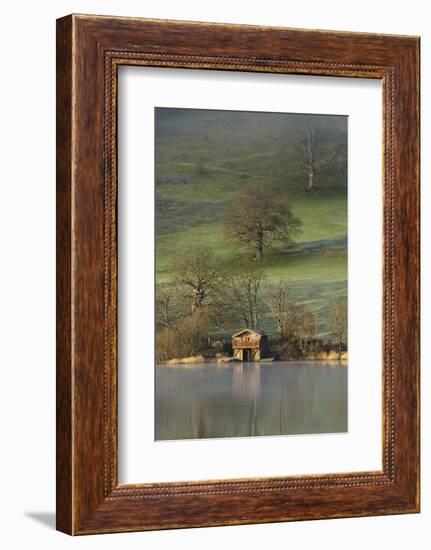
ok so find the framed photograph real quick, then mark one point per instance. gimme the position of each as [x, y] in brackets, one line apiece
[237, 274]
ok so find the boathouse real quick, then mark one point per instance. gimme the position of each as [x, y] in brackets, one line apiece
[249, 345]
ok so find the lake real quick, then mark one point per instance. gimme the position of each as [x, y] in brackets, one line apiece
[250, 399]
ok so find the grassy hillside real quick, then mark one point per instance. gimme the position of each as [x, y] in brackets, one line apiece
[203, 158]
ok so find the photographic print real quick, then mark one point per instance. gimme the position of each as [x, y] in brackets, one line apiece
[251, 273]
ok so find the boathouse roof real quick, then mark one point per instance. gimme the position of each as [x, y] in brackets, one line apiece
[250, 330]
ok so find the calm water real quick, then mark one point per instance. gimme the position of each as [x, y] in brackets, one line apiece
[248, 399]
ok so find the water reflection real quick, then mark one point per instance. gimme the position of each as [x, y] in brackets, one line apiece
[248, 399]
[246, 380]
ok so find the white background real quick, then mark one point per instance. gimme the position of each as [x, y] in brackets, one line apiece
[27, 313]
[141, 458]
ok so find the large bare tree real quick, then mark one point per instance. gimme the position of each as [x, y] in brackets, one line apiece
[196, 269]
[259, 215]
[317, 156]
[243, 289]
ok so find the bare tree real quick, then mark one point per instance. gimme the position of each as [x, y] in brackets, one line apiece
[292, 320]
[337, 315]
[196, 269]
[172, 304]
[260, 215]
[243, 289]
[316, 157]
[165, 299]
[306, 329]
[278, 302]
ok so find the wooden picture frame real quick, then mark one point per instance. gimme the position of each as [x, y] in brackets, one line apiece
[89, 52]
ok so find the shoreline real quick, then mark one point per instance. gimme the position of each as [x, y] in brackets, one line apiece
[221, 360]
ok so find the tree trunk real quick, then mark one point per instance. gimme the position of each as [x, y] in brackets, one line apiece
[197, 299]
[310, 186]
[280, 327]
[167, 316]
[259, 250]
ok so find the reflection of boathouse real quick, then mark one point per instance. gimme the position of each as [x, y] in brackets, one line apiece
[246, 381]
[249, 345]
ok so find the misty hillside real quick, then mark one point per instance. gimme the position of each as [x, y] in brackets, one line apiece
[203, 158]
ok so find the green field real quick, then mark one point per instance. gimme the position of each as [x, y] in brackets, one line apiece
[204, 158]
